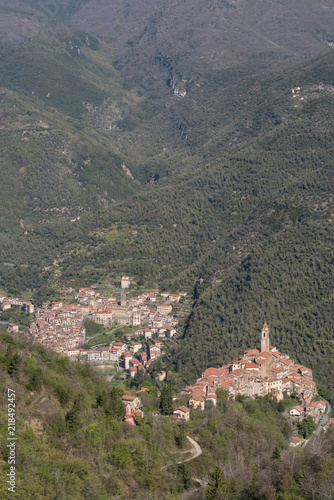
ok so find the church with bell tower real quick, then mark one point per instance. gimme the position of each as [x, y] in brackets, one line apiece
[265, 338]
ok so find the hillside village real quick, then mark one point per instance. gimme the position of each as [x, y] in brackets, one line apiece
[258, 373]
[59, 326]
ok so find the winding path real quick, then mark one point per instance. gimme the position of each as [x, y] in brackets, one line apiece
[323, 421]
[196, 449]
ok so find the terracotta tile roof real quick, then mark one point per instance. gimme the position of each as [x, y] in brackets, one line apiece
[128, 398]
[264, 354]
[298, 408]
[184, 409]
[295, 440]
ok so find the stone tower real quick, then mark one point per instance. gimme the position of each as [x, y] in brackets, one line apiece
[265, 338]
[123, 297]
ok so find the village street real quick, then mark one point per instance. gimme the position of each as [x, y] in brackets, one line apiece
[323, 421]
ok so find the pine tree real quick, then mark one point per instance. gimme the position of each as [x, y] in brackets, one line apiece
[181, 437]
[185, 473]
[14, 364]
[215, 483]
[115, 408]
[35, 382]
[73, 416]
[276, 452]
[166, 400]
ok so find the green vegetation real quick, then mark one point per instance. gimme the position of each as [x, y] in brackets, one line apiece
[100, 339]
[251, 234]
[306, 427]
[92, 328]
[166, 400]
[229, 190]
[20, 318]
[69, 421]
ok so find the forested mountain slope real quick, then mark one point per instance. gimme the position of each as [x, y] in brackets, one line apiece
[175, 85]
[214, 51]
[254, 231]
[73, 445]
[210, 34]
[242, 214]
[53, 167]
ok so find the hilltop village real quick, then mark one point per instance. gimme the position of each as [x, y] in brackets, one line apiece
[60, 327]
[256, 373]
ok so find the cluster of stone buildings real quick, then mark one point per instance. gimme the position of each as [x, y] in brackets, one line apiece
[132, 356]
[8, 302]
[136, 311]
[256, 373]
[59, 326]
[315, 410]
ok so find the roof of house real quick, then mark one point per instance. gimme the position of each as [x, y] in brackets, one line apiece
[128, 398]
[295, 440]
[298, 408]
[184, 409]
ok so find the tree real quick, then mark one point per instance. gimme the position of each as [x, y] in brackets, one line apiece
[14, 364]
[35, 382]
[281, 406]
[73, 416]
[62, 394]
[115, 407]
[216, 481]
[276, 452]
[181, 437]
[306, 427]
[166, 400]
[185, 474]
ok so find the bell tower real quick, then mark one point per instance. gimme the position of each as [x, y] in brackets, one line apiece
[265, 338]
[123, 297]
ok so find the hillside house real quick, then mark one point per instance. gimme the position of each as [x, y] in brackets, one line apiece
[155, 352]
[164, 308]
[131, 417]
[132, 401]
[174, 297]
[127, 357]
[161, 376]
[297, 411]
[12, 328]
[182, 413]
[135, 347]
[296, 441]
